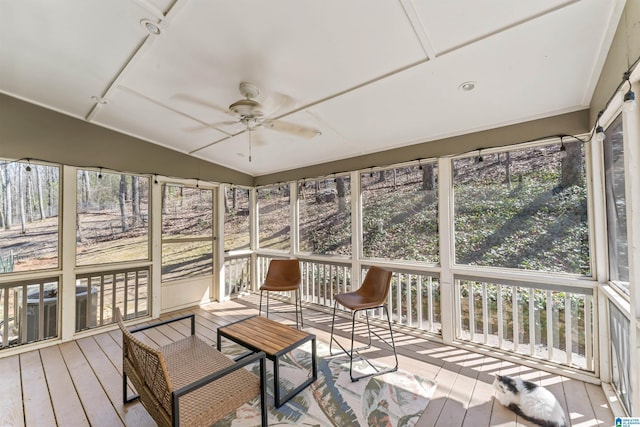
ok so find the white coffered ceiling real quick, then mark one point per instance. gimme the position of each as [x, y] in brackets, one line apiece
[368, 74]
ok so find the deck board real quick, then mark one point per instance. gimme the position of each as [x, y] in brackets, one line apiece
[111, 379]
[99, 409]
[82, 379]
[66, 402]
[37, 403]
[11, 410]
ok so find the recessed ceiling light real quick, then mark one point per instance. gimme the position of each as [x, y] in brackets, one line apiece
[151, 27]
[467, 86]
[100, 100]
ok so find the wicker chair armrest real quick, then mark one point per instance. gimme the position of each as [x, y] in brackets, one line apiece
[165, 322]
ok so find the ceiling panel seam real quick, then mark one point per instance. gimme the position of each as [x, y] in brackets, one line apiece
[418, 28]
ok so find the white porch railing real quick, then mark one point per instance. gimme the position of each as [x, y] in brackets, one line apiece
[545, 321]
[28, 311]
[127, 289]
[237, 274]
[414, 297]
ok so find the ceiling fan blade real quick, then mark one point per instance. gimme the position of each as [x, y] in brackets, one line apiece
[292, 128]
[203, 102]
[278, 103]
[216, 126]
[257, 138]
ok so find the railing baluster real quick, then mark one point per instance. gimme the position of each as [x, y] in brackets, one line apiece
[136, 293]
[399, 286]
[568, 327]
[549, 312]
[515, 313]
[500, 316]
[472, 312]
[485, 314]
[5, 318]
[419, 301]
[101, 305]
[588, 334]
[457, 296]
[532, 323]
[40, 311]
[114, 291]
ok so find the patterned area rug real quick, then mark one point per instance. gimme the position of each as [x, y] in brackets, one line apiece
[395, 399]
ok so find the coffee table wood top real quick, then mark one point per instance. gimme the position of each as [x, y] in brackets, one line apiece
[264, 334]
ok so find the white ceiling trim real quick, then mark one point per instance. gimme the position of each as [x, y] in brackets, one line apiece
[136, 54]
[418, 27]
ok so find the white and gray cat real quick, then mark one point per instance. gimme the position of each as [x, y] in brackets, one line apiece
[530, 401]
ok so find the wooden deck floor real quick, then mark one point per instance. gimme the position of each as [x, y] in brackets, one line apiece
[79, 383]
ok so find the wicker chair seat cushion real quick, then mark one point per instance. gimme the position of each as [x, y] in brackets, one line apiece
[191, 359]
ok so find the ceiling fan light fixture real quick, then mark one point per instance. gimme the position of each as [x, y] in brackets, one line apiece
[247, 108]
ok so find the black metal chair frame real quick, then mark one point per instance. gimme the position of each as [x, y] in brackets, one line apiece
[377, 370]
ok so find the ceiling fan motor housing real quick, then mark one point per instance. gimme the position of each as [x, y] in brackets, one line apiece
[247, 108]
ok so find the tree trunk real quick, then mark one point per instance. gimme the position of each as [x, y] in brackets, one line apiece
[135, 201]
[571, 165]
[226, 202]
[79, 228]
[507, 167]
[340, 189]
[122, 199]
[49, 192]
[428, 177]
[28, 196]
[85, 189]
[7, 191]
[428, 182]
[235, 199]
[380, 177]
[164, 199]
[21, 193]
[43, 215]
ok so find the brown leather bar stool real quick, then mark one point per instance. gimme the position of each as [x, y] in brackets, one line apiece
[283, 275]
[372, 294]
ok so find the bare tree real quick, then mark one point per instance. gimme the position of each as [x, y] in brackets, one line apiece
[507, 167]
[572, 165]
[135, 201]
[7, 191]
[122, 194]
[340, 189]
[164, 199]
[21, 194]
[234, 199]
[50, 200]
[85, 188]
[28, 194]
[39, 192]
[428, 181]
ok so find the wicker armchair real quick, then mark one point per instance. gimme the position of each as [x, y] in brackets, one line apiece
[188, 382]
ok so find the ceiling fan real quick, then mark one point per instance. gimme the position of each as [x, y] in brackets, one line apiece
[251, 114]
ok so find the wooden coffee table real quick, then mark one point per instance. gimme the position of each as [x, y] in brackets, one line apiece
[275, 339]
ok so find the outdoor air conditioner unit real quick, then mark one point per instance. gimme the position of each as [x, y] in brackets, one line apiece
[50, 313]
